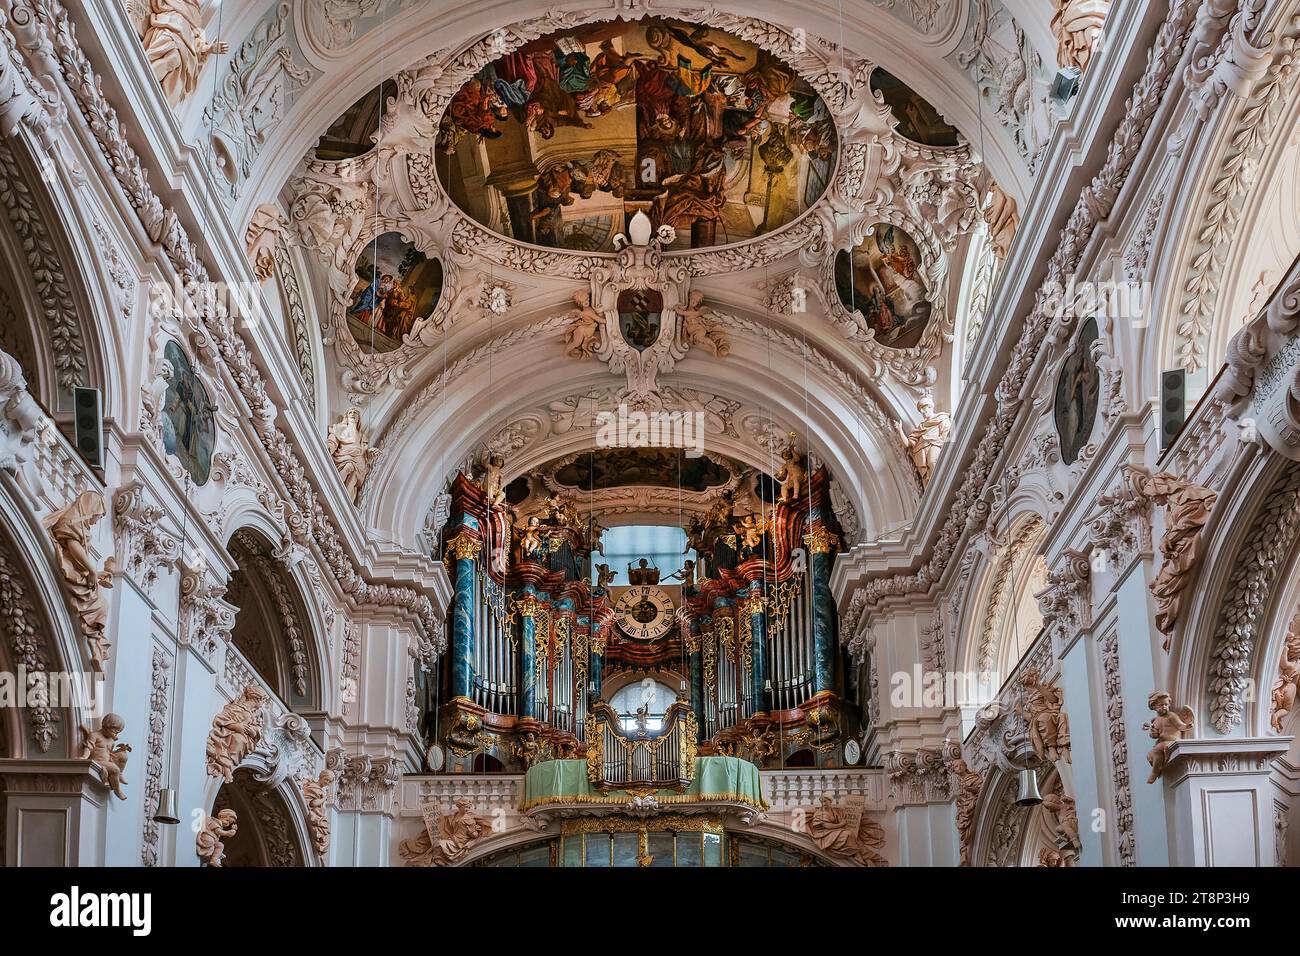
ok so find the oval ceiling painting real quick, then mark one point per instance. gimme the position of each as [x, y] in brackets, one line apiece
[396, 286]
[559, 142]
[881, 281]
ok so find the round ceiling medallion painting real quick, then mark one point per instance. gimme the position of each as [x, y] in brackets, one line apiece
[395, 287]
[881, 281]
[558, 143]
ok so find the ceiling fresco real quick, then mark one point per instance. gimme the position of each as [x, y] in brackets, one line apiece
[559, 142]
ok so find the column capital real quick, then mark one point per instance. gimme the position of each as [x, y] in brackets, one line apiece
[1222, 757]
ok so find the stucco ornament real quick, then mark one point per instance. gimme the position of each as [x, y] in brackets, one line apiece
[1169, 726]
[264, 232]
[1287, 682]
[926, 440]
[447, 837]
[1077, 25]
[316, 795]
[352, 456]
[1049, 727]
[102, 749]
[177, 47]
[236, 730]
[208, 842]
[71, 528]
[846, 831]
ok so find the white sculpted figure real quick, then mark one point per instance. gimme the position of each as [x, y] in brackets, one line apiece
[352, 456]
[216, 828]
[102, 749]
[260, 238]
[1077, 25]
[697, 330]
[236, 731]
[583, 337]
[177, 47]
[71, 527]
[925, 441]
[793, 473]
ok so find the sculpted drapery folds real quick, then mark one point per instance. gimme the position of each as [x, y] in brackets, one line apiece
[926, 440]
[1041, 707]
[969, 783]
[1288, 678]
[236, 730]
[352, 456]
[177, 47]
[315, 794]
[447, 837]
[1077, 25]
[71, 529]
[847, 832]
[1187, 508]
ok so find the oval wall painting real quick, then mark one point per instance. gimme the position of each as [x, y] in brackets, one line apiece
[561, 141]
[881, 281]
[396, 286]
[189, 428]
[1078, 392]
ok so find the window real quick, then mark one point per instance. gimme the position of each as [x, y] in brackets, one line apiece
[664, 547]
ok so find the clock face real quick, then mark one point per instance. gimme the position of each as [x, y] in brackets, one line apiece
[645, 612]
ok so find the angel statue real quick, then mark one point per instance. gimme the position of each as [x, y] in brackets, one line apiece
[102, 749]
[793, 473]
[1170, 725]
[604, 576]
[697, 330]
[583, 335]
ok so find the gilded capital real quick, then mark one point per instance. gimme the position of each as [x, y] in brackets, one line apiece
[464, 546]
[821, 541]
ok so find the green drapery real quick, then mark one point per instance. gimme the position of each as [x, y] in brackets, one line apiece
[716, 778]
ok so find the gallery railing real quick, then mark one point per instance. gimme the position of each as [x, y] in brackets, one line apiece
[622, 760]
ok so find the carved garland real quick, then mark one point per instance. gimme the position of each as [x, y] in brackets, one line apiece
[25, 643]
[297, 313]
[1256, 566]
[1115, 731]
[65, 343]
[288, 619]
[1006, 570]
[156, 746]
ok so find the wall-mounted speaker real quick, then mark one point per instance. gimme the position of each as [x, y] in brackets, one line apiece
[1173, 405]
[88, 424]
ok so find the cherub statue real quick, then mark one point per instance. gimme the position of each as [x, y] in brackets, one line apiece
[71, 528]
[493, 486]
[236, 730]
[604, 576]
[352, 456]
[641, 719]
[1050, 858]
[102, 749]
[583, 336]
[697, 330]
[793, 473]
[220, 826]
[1288, 679]
[750, 531]
[1170, 725]
[528, 750]
[530, 542]
[686, 575]
[926, 440]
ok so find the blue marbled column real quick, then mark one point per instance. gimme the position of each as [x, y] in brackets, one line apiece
[528, 660]
[593, 672]
[824, 623]
[758, 653]
[462, 621]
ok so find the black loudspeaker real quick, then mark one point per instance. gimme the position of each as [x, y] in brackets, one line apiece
[1173, 405]
[88, 424]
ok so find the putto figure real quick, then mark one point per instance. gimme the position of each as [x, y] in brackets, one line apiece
[583, 336]
[1170, 725]
[793, 473]
[208, 842]
[102, 749]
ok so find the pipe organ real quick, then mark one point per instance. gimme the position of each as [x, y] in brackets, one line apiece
[533, 642]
